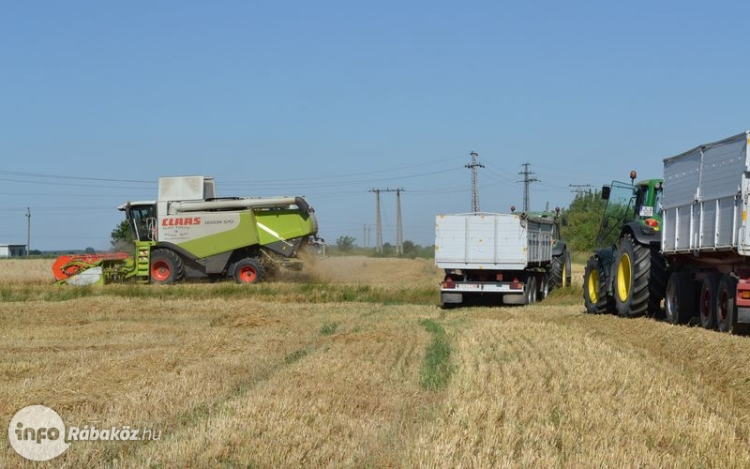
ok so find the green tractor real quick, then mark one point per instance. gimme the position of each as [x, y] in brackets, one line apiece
[627, 273]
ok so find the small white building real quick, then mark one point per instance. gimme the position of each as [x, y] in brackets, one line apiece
[12, 250]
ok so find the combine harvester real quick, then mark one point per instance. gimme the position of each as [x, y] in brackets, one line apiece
[190, 233]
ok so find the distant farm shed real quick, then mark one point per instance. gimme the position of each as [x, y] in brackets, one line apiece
[12, 250]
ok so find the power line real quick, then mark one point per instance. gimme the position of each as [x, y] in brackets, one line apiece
[76, 178]
[580, 189]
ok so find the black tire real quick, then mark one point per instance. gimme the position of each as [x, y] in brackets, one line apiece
[657, 284]
[707, 301]
[567, 274]
[633, 296]
[248, 270]
[543, 288]
[166, 267]
[558, 273]
[726, 307]
[530, 290]
[679, 298]
[594, 291]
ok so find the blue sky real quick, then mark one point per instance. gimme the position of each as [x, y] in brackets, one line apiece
[331, 99]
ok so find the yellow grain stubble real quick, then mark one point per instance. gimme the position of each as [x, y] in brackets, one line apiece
[540, 394]
[140, 362]
[350, 401]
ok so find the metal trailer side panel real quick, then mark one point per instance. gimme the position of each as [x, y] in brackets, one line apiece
[539, 241]
[480, 241]
[703, 208]
[491, 241]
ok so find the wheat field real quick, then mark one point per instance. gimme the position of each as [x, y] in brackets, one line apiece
[352, 364]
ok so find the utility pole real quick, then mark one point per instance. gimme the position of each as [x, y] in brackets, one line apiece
[367, 234]
[474, 180]
[399, 228]
[379, 224]
[527, 180]
[28, 231]
[580, 189]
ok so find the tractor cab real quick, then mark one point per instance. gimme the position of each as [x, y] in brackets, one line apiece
[635, 207]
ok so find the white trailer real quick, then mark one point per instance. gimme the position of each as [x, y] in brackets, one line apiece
[705, 234]
[507, 257]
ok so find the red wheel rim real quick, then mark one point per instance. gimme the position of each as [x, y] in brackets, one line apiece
[160, 271]
[247, 274]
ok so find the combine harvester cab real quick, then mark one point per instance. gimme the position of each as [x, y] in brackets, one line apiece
[188, 232]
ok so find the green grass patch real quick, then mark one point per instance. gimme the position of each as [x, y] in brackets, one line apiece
[329, 328]
[436, 368]
[565, 296]
[289, 292]
[296, 356]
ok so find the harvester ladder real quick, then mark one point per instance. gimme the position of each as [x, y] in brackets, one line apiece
[143, 260]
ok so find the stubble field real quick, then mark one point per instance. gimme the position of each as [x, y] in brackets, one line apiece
[353, 364]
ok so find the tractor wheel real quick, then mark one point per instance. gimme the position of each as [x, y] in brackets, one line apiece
[707, 302]
[726, 307]
[558, 274]
[530, 290]
[248, 270]
[632, 275]
[679, 299]
[594, 291]
[166, 267]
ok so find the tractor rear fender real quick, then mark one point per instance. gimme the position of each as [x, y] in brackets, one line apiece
[559, 248]
[644, 235]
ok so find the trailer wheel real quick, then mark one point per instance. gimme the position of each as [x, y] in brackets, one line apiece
[679, 304]
[594, 294]
[166, 267]
[657, 283]
[726, 308]
[543, 288]
[531, 290]
[632, 272]
[707, 302]
[248, 271]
